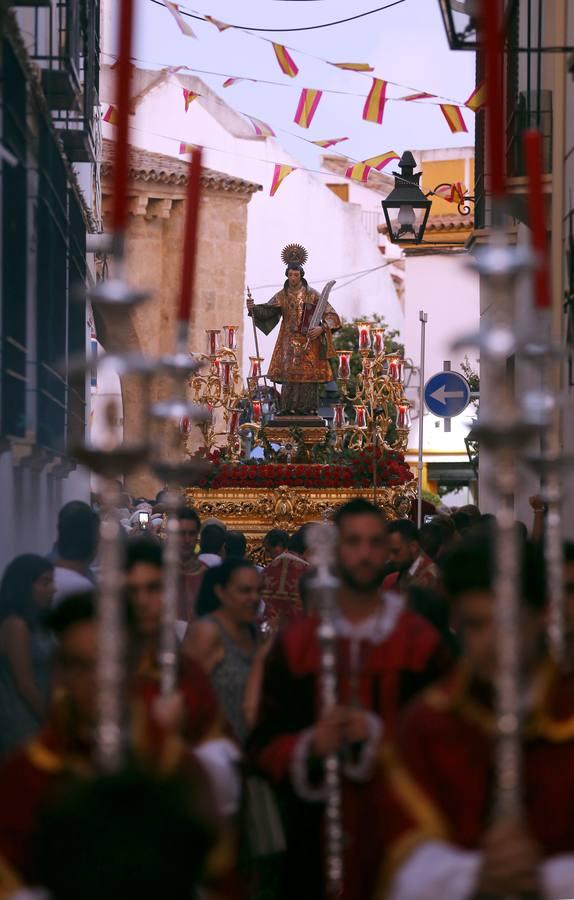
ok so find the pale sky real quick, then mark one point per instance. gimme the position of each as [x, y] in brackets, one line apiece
[405, 43]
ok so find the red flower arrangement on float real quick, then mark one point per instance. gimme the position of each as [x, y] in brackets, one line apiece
[355, 471]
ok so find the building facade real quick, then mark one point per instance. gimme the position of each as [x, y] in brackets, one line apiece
[539, 94]
[49, 134]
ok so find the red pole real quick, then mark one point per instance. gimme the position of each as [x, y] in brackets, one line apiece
[532, 144]
[190, 238]
[492, 38]
[124, 72]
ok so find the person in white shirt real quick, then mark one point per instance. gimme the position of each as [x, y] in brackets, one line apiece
[212, 545]
[76, 549]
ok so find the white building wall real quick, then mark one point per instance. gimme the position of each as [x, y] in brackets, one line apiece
[443, 286]
[304, 210]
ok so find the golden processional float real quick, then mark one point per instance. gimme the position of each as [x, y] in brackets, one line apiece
[275, 471]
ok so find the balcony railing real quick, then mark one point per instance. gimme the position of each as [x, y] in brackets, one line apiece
[528, 102]
[65, 44]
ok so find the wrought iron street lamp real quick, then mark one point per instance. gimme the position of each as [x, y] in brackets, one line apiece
[461, 21]
[406, 208]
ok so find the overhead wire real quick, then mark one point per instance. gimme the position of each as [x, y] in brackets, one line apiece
[369, 12]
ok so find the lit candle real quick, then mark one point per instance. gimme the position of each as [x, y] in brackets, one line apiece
[190, 236]
[364, 335]
[216, 366]
[255, 370]
[124, 75]
[361, 416]
[403, 416]
[344, 364]
[532, 143]
[212, 341]
[379, 340]
[256, 410]
[226, 372]
[491, 26]
[230, 336]
[185, 425]
[233, 422]
[338, 415]
[396, 369]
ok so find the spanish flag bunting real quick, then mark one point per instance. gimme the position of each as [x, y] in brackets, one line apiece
[189, 97]
[221, 26]
[286, 63]
[454, 117]
[375, 102]
[111, 115]
[422, 95]
[182, 24]
[329, 143]
[229, 81]
[184, 149]
[261, 128]
[354, 67]
[379, 162]
[280, 173]
[478, 98]
[308, 103]
[452, 193]
[358, 172]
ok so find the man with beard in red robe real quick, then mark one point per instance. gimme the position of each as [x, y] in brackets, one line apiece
[385, 654]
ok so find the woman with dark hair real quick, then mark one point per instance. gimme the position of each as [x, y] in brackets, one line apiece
[224, 639]
[26, 593]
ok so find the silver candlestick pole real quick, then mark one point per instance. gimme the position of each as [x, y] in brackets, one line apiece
[174, 473]
[109, 461]
[321, 540]
[503, 434]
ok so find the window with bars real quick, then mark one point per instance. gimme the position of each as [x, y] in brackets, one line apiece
[43, 261]
[528, 103]
[14, 245]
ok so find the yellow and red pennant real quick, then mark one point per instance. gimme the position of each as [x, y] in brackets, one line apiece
[353, 67]
[379, 162]
[478, 98]
[189, 97]
[280, 173]
[262, 129]
[452, 193]
[375, 102]
[329, 142]
[422, 95]
[111, 115]
[221, 26]
[182, 24]
[184, 149]
[453, 116]
[307, 107]
[358, 172]
[286, 62]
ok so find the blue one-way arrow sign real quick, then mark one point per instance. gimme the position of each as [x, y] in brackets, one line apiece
[447, 394]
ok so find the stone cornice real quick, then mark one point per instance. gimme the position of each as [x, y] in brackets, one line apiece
[159, 169]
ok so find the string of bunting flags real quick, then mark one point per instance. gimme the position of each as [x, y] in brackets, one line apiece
[373, 110]
[358, 171]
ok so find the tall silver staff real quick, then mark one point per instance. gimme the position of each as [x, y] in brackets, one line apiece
[321, 540]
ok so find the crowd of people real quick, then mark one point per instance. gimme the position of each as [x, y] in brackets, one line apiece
[223, 787]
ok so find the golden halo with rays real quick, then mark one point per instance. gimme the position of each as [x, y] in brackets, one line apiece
[294, 253]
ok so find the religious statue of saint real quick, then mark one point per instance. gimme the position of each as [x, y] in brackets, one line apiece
[300, 361]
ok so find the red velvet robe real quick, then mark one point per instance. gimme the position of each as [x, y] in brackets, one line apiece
[280, 589]
[389, 673]
[38, 772]
[442, 788]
